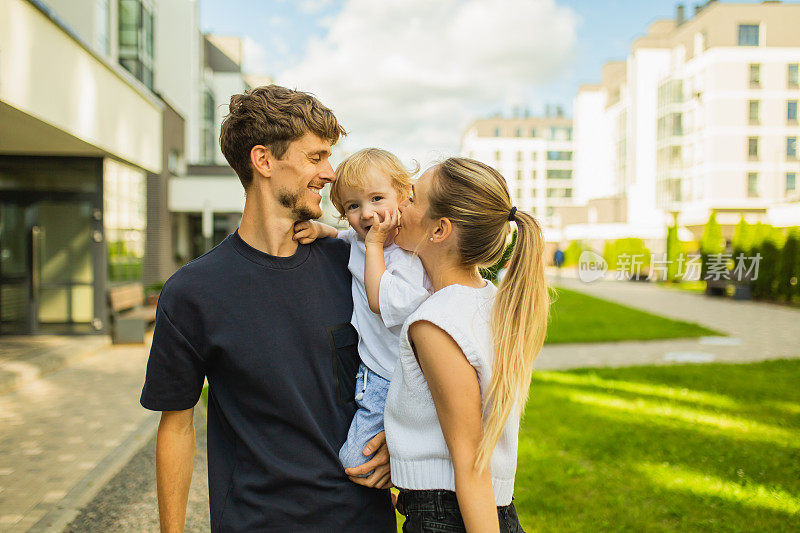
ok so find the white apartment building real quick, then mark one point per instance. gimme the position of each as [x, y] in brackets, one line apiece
[727, 116]
[534, 154]
[701, 117]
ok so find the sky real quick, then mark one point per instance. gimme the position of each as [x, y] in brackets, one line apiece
[410, 75]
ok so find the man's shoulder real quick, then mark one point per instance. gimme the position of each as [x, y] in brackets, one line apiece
[335, 249]
[199, 272]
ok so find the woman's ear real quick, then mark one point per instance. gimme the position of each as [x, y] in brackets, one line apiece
[261, 159]
[442, 230]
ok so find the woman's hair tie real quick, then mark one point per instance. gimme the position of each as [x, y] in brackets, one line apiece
[511, 214]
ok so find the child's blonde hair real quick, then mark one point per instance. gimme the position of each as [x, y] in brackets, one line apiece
[352, 172]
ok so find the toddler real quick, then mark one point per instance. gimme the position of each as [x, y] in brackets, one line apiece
[389, 283]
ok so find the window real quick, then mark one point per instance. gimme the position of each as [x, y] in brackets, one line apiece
[533, 174]
[136, 39]
[533, 193]
[753, 115]
[559, 156]
[549, 211]
[791, 147]
[791, 111]
[518, 133]
[568, 193]
[791, 76]
[752, 147]
[207, 129]
[752, 184]
[518, 194]
[533, 132]
[791, 182]
[125, 220]
[533, 156]
[748, 34]
[560, 133]
[101, 25]
[519, 175]
[755, 75]
[497, 132]
[497, 155]
[558, 174]
[551, 192]
[519, 156]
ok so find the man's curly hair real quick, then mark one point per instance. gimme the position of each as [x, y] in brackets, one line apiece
[272, 116]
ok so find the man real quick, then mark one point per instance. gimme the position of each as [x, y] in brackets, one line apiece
[266, 321]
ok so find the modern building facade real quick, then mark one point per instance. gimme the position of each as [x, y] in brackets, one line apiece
[80, 135]
[534, 154]
[701, 117]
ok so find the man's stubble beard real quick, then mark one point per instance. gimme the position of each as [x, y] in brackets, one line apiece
[292, 201]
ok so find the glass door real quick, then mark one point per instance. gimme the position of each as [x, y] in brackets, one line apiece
[48, 254]
[15, 269]
[63, 266]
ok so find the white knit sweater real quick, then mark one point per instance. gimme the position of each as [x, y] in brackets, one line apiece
[419, 456]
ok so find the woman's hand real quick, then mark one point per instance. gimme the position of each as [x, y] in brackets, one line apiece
[381, 478]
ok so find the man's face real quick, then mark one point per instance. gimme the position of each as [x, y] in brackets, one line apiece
[297, 179]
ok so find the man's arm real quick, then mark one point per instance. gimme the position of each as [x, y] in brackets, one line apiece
[174, 464]
[381, 478]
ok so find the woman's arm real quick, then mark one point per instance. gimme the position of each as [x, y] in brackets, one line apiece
[456, 394]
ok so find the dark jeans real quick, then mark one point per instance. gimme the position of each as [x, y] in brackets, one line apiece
[437, 511]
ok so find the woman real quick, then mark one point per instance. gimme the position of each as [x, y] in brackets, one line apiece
[466, 355]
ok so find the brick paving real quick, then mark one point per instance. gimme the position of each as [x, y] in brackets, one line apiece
[64, 436]
[756, 331]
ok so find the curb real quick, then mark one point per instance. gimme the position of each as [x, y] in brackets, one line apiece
[87, 488]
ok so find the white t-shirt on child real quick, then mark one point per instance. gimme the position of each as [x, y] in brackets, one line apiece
[404, 286]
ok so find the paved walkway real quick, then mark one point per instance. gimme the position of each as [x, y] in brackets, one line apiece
[756, 331]
[24, 359]
[63, 437]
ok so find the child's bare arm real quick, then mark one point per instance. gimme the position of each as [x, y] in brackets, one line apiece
[308, 231]
[375, 264]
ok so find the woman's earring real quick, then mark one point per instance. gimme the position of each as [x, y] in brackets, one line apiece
[431, 239]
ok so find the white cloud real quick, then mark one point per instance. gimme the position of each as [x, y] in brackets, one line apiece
[409, 75]
[312, 7]
[255, 59]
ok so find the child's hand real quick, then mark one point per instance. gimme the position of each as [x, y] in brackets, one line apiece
[306, 232]
[381, 229]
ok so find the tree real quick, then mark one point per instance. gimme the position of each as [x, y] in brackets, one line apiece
[673, 253]
[491, 272]
[742, 238]
[711, 243]
[789, 266]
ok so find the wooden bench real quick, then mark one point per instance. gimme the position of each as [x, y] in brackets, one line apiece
[130, 317]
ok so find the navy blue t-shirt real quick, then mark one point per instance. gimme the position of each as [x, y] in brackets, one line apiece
[273, 337]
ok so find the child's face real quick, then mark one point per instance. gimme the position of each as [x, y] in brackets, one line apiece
[360, 205]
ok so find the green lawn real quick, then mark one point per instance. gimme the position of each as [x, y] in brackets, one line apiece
[577, 317]
[668, 448]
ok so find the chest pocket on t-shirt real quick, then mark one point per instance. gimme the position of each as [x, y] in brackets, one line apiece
[344, 354]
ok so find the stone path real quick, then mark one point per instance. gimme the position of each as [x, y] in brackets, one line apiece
[63, 437]
[756, 331]
[129, 501]
[24, 359]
